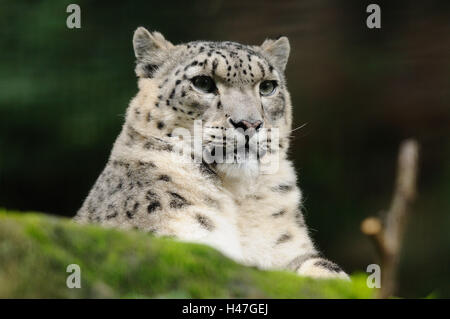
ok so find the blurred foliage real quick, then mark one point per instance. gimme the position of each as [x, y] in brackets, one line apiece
[63, 94]
[35, 251]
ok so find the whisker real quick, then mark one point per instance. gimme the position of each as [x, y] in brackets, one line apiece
[297, 128]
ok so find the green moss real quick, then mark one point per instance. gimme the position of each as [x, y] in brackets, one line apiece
[35, 250]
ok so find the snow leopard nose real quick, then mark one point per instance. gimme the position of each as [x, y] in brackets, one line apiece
[245, 125]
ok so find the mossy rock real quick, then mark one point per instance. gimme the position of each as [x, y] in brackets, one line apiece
[35, 250]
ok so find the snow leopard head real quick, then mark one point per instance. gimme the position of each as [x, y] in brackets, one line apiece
[231, 88]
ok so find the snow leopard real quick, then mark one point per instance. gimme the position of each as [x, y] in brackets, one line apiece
[156, 181]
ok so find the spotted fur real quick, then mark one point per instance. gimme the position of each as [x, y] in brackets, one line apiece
[150, 185]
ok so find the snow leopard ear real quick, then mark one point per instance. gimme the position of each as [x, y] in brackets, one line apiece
[277, 51]
[151, 50]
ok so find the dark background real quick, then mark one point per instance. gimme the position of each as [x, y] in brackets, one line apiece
[63, 94]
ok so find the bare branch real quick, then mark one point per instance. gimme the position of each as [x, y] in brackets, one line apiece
[388, 236]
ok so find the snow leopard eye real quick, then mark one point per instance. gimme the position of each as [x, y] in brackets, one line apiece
[267, 88]
[204, 83]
